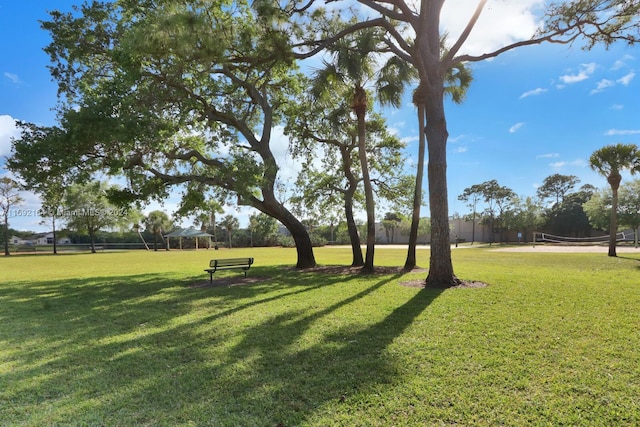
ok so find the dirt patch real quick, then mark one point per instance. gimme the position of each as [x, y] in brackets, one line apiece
[420, 283]
[350, 271]
[229, 281]
[417, 283]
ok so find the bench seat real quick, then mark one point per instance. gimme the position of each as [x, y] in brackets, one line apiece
[228, 264]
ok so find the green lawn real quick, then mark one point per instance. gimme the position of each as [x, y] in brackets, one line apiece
[120, 339]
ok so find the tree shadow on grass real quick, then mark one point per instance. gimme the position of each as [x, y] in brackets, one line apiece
[291, 382]
[103, 350]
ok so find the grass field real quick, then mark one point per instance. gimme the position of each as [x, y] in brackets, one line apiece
[121, 339]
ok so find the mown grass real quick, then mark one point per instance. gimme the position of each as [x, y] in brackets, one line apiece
[120, 339]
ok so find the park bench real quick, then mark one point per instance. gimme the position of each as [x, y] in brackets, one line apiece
[227, 264]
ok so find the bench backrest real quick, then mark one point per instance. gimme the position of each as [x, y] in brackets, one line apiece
[230, 262]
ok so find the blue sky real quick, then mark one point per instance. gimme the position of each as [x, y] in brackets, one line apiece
[529, 113]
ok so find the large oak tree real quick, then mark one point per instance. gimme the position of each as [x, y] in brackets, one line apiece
[174, 93]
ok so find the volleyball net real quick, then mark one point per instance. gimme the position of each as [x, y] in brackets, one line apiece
[538, 237]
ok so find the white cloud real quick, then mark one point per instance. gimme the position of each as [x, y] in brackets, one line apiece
[547, 156]
[501, 23]
[617, 107]
[626, 79]
[462, 150]
[516, 127]
[409, 139]
[577, 163]
[8, 130]
[289, 167]
[602, 85]
[534, 92]
[456, 139]
[13, 77]
[622, 132]
[586, 70]
[621, 63]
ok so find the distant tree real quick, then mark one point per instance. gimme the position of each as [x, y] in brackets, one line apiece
[137, 219]
[629, 206]
[157, 222]
[609, 161]
[88, 210]
[525, 216]
[556, 186]
[498, 199]
[472, 195]
[230, 223]
[263, 229]
[41, 168]
[598, 209]
[569, 217]
[391, 223]
[9, 196]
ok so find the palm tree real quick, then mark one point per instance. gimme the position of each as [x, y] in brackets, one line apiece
[609, 161]
[230, 223]
[354, 65]
[157, 222]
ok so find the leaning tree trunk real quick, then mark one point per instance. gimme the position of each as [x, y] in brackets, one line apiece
[411, 261]
[272, 207]
[352, 228]
[360, 107]
[440, 265]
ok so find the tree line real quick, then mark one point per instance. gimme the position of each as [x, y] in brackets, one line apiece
[559, 207]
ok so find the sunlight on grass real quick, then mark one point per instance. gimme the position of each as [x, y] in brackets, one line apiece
[122, 337]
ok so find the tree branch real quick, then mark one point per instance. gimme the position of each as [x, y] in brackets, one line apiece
[322, 44]
[465, 33]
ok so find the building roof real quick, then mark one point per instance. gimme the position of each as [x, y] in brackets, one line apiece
[188, 232]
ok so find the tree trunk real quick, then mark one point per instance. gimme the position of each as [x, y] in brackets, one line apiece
[272, 207]
[411, 261]
[92, 236]
[55, 237]
[613, 221]
[354, 237]
[352, 228]
[360, 107]
[473, 225]
[6, 235]
[440, 266]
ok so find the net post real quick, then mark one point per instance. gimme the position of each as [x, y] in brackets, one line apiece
[534, 239]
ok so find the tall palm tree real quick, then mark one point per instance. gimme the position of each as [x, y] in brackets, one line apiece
[354, 63]
[157, 222]
[609, 161]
